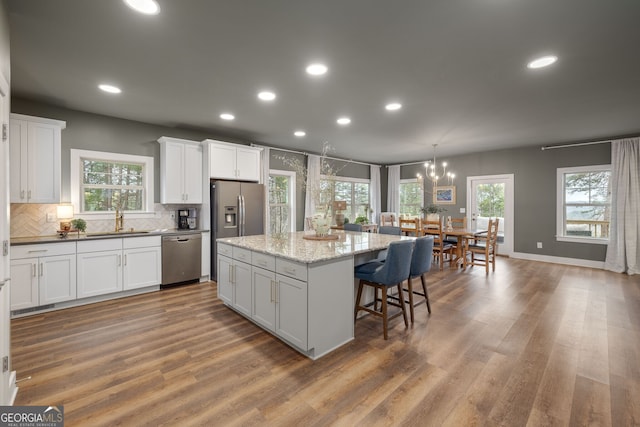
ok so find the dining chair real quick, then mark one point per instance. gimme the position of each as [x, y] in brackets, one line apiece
[456, 223]
[420, 265]
[485, 245]
[352, 227]
[382, 276]
[387, 219]
[409, 225]
[389, 229]
[440, 247]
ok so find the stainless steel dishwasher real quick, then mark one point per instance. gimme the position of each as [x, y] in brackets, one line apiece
[181, 258]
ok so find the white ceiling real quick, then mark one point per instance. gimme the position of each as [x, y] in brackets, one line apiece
[457, 66]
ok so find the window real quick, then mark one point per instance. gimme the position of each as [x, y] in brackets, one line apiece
[282, 201]
[352, 190]
[102, 182]
[584, 204]
[411, 197]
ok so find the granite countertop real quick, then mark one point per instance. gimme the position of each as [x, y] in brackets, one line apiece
[73, 236]
[292, 245]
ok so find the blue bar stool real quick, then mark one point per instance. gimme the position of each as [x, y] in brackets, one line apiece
[420, 264]
[352, 227]
[384, 275]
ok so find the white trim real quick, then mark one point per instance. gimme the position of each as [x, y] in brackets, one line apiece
[345, 179]
[509, 207]
[560, 172]
[559, 260]
[76, 155]
[292, 196]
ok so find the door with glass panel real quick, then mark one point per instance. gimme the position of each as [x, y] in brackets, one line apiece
[282, 213]
[492, 197]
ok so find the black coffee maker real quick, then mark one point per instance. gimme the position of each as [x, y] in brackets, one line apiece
[183, 219]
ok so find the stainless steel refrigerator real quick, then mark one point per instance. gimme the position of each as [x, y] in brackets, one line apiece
[237, 209]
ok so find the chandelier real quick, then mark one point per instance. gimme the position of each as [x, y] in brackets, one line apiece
[437, 173]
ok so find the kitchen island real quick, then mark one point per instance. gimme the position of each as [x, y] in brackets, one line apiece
[300, 290]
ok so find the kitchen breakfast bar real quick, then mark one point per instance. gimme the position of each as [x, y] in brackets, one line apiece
[300, 290]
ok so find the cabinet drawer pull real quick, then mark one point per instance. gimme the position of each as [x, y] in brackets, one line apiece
[22, 194]
[119, 260]
[41, 269]
[39, 250]
[290, 270]
[125, 259]
[34, 270]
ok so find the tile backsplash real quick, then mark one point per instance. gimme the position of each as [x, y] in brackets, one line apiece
[30, 219]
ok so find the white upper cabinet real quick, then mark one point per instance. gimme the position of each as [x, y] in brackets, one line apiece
[35, 159]
[233, 161]
[180, 171]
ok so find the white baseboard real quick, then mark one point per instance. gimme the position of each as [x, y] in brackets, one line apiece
[559, 260]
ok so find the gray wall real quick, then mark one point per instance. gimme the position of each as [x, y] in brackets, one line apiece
[5, 62]
[101, 133]
[534, 173]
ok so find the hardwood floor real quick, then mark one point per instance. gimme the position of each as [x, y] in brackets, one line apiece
[531, 344]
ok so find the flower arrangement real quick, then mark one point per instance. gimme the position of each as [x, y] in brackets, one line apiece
[321, 191]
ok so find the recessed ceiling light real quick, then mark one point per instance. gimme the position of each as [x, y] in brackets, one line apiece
[148, 7]
[299, 133]
[393, 106]
[343, 121]
[227, 116]
[109, 88]
[267, 96]
[542, 61]
[317, 69]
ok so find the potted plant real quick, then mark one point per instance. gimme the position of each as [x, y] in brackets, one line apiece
[79, 224]
[362, 220]
[432, 211]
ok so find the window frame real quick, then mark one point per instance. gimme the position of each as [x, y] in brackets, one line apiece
[76, 157]
[560, 204]
[292, 198]
[409, 181]
[332, 179]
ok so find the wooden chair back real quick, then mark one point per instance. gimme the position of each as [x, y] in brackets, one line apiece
[387, 219]
[459, 222]
[440, 247]
[410, 225]
[486, 245]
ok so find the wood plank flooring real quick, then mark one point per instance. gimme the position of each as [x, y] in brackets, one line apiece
[532, 344]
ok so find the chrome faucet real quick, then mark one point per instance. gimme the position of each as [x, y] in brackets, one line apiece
[119, 220]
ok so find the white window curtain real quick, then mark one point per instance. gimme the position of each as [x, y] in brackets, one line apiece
[393, 189]
[374, 192]
[313, 180]
[264, 179]
[623, 251]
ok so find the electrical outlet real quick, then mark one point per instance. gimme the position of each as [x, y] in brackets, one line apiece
[463, 210]
[5, 364]
[51, 217]
[539, 245]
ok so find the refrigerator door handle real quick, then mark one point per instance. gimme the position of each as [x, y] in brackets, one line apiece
[241, 213]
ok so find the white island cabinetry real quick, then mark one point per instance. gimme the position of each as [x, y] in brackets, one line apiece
[307, 302]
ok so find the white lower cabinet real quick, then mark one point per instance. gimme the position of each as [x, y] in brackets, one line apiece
[113, 265]
[234, 284]
[99, 272]
[291, 310]
[263, 310]
[142, 262]
[42, 274]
